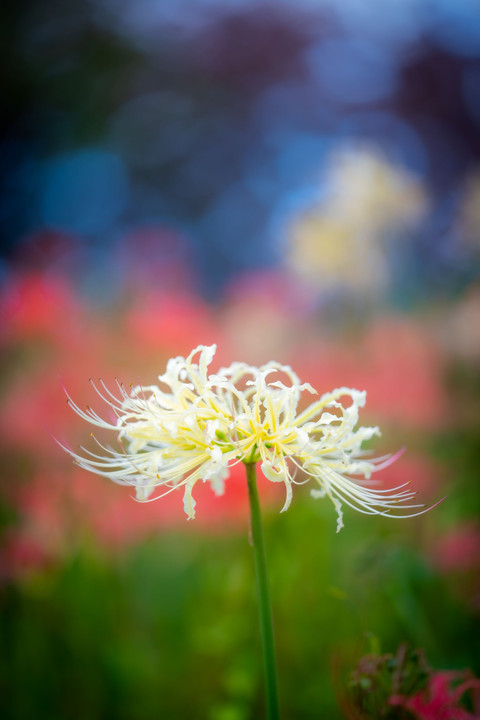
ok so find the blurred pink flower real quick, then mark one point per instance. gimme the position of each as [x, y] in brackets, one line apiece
[398, 363]
[169, 323]
[457, 554]
[31, 409]
[36, 306]
[46, 513]
[60, 509]
[19, 555]
[441, 699]
[117, 520]
[459, 549]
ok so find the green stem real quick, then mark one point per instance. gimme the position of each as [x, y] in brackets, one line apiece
[266, 623]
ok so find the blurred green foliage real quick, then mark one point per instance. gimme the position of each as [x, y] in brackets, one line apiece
[168, 628]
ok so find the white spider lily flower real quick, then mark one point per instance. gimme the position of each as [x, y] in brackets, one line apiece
[195, 426]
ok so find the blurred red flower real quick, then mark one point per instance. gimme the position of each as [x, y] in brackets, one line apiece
[35, 306]
[171, 323]
[459, 549]
[441, 699]
[395, 361]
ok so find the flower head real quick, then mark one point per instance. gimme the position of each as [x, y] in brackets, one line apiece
[194, 426]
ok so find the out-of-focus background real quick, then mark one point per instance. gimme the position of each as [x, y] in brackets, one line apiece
[297, 181]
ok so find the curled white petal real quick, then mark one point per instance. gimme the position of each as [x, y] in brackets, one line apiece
[188, 501]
